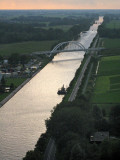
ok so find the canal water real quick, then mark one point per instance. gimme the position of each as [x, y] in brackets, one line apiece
[22, 118]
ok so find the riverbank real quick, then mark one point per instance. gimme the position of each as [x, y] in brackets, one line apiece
[22, 85]
[17, 89]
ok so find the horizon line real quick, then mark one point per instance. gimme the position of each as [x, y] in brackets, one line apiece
[61, 9]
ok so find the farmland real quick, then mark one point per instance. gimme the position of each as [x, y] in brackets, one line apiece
[112, 44]
[114, 24]
[107, 87]
[25, 47]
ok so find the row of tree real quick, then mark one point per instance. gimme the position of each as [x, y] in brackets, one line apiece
[52, 21]
[15, 59]
[109, 32]
[18, 32]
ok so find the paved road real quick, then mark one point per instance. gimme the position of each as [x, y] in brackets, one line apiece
[79, 81]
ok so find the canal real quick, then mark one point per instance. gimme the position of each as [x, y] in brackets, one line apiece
[22, 118]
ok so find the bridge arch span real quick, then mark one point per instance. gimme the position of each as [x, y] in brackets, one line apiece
[78, 44]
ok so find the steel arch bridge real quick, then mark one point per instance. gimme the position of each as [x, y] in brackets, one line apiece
[69, 46]
[75, 43]
[66, 47]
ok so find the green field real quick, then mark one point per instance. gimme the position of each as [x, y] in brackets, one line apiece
[107, 87]
[114, 24]
[112, 45]
[25, 47]
[109, 66]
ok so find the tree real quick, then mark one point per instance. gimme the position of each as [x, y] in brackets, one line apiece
[77, 153]
[14, 59]
[101, 124]
[72, 119]
[109, 150]
[103, 112]
[69, 136]
[3, 81]
[97, 114]
[1, 58]
[115, 120]
[12, 86]
[24, 59]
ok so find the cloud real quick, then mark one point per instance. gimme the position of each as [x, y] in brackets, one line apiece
[59, 4]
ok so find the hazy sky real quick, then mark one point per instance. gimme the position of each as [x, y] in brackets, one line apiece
[59, 4]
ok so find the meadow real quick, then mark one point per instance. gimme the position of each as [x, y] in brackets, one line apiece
[25, 47]
[114, 24]
[112, 44]
[107, 87]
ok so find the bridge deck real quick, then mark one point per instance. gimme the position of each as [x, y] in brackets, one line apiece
[69, 50]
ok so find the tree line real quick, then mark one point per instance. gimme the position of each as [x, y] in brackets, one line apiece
[52, 21]
[19, 32]
[109, 32]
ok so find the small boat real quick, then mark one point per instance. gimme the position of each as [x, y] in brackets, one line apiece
[62, 91]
